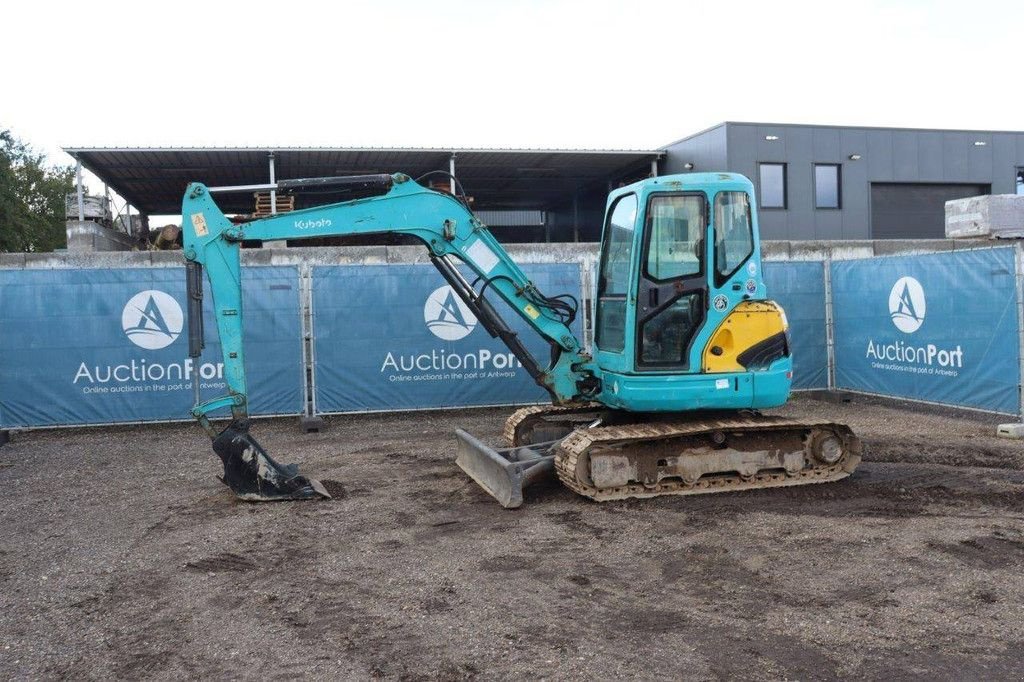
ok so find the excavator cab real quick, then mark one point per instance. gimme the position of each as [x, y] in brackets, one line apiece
[676, 328]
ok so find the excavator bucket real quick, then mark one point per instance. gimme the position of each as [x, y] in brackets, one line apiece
[254, 476]
[505, 473]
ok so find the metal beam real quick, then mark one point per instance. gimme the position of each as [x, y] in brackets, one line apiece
[78, 189]
[576, 216]
[273, 181]
[451, 169]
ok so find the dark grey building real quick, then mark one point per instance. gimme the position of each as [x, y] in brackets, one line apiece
[832, 182]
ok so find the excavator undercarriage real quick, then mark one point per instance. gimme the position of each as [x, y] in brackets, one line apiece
[611, 455]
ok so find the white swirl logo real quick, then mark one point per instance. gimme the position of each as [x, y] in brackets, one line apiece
[152, 319]
[907, 305]
[447, 316]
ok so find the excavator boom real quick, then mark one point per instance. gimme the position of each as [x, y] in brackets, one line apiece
[451, 234]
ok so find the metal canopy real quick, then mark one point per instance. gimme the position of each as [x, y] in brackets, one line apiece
[153, 180]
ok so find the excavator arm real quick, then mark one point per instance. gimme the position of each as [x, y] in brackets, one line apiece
[451, 234]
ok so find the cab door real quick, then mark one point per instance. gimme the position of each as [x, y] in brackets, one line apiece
[613, 280]
[672, 292]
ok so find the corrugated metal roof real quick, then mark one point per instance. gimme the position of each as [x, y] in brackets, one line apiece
[153, 179]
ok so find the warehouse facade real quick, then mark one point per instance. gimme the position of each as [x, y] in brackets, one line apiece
[832, 182]
[813, 181]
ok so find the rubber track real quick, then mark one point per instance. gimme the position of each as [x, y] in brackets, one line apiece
[577, 444]
[522, 414]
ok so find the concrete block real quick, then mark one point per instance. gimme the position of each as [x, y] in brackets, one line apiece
[87, 236]
[12, 260]
[165, 259]
[110, 259]
[775, 250]
[407, 254]
[45, 260]
[1015, 431]
[553, 252]
[852, 249]
[986, 217]
[361, 255]
[809, 250]
[259, 256]
[311, 424]
[891, 247]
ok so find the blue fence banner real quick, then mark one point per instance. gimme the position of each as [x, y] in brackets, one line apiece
[394, 337]
[936, 327]
[799, 287]
[97, 346]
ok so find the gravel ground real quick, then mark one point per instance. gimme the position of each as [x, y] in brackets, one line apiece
[123, 557]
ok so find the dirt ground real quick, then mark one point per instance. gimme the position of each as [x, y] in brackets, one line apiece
[122, 556]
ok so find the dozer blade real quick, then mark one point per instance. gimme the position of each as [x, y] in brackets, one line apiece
[504, 473]
[253, 475]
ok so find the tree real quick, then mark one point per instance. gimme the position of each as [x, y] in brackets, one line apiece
[32, 196]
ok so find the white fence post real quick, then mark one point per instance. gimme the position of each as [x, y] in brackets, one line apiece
[1019, 268]
[310, 318]
[829, 324]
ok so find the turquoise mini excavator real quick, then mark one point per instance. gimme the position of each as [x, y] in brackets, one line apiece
[687, 346]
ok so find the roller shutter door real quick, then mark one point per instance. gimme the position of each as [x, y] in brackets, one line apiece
[914, 211]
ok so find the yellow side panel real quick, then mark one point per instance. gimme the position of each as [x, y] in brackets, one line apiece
[749, 323]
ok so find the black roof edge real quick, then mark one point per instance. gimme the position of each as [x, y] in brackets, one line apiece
[833, 126]
[693, 135]
[74, 150]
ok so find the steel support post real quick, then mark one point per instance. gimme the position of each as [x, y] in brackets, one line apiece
[1019, 267]
[830, 336]
[78, 189]
[106, 193]
[272, 169]
[451, 170]
[309, 420]
[654, 168]
[273, 180]
[576, 216]
[131, 227]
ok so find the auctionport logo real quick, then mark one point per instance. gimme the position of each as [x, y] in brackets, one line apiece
[907, 308]
[447, 316]
[907, 305]
[152, 319]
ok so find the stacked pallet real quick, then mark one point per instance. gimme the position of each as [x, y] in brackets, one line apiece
[285, 203]
[445, 186]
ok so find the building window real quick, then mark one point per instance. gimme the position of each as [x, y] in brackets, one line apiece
[826, 185]
[1020, 180]
[773, 185]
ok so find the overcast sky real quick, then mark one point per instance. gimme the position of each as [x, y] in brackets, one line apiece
[433, 73]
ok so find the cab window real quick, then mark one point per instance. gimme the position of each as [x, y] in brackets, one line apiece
[734, 233]
[613, 280]
[675, 228]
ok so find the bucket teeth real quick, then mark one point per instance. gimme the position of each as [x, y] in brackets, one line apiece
[253, 475]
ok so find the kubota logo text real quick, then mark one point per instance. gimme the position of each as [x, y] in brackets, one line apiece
[907, 305]
[312, 224]
[152, 319]
[447, 316]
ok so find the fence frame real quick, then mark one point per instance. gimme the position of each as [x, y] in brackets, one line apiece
[174, 420]
[584, 276]
[1019, 276]
[587, 262]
